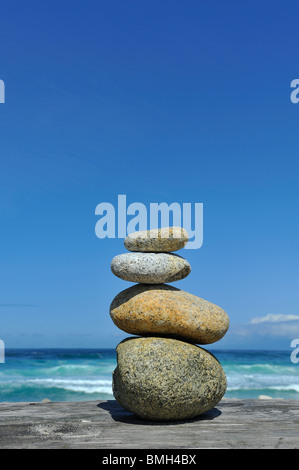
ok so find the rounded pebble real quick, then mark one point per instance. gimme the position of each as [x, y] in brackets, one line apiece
[165, 379]
[164, 239]
[150, 268]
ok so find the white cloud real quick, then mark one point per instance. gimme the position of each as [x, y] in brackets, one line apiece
[268, 332]
[274, 318]
[288, 329]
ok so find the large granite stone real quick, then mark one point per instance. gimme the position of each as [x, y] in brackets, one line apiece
[165, 379]
[150, 268]
[165, 310]
[164, 239]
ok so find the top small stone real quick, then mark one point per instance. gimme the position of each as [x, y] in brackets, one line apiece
[162, 240]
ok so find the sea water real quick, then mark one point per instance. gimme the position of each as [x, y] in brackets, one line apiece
[86, 374]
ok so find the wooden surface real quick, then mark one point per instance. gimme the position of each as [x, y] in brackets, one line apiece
[105, 425]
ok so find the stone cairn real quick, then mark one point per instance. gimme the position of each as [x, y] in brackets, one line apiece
[161, 373]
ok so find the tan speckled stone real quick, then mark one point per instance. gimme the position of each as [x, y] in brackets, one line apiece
[165, 379]
[164, 310]
[164, 239]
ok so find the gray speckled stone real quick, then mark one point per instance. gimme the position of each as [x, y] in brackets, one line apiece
[150, 268]
[164, 239]
[165, 379]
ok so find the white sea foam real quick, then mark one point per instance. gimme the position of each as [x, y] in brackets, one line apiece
[294, 387]
[75, 385]
[258, 381]
[78, 368]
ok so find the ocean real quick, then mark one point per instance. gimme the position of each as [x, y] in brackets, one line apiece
[86, 374]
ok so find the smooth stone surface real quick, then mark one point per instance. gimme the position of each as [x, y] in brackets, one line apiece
[157, 240]
[150, 268]
[165, 379]
[165, 310]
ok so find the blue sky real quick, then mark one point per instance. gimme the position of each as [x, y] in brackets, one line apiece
[164, 101]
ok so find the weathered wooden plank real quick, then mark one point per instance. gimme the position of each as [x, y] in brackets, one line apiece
[105, 425]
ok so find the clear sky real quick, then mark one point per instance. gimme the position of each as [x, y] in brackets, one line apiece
[163, 101]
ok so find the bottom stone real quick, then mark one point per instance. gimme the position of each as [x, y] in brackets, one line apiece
[166, 379]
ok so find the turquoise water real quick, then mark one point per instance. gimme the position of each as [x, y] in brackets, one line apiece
[86, 374]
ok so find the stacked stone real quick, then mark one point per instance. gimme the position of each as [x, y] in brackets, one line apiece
[162, 374]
